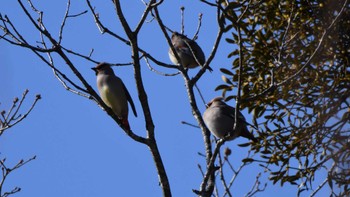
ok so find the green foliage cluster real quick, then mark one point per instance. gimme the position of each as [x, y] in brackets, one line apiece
[295, 76]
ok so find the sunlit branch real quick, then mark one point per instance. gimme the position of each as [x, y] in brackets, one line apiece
[158, 72]
[200, 94]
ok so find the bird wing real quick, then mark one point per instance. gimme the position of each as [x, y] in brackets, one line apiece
[198, 52]
[182, 44]
[128, 97]
[183, 49]
[190, 46]
[230, 111]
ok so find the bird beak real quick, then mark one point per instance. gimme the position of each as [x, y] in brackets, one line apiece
[207, 106]
[94, 69]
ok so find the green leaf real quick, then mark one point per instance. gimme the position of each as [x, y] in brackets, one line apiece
[330, 182]
[226, 71]
[244, 145]
[266, 152]
[226, 80]
[229, 40]
[221, 87]
[246, 160]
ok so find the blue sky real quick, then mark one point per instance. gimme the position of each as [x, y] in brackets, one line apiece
[80, 150]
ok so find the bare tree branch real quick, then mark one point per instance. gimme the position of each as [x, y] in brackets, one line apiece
[151, 141]
[6, 171]
[158, 72]
[7, 121]
[256, 187]
[104, 29]
[182, 19]
[12, 119]
[195, 36]
[214, 50]
[222, 176]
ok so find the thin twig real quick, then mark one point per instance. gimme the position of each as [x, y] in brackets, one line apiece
[162, 27]
[88, 57]
[209, 3]
[213, 52]
[323, 183]
[200, 94]
[143, 18]
[104, 29]
[255, 189]
[6, 172]
[182, 20]
[13, 106]
[235, 172]
[200, 169]
[13, 116]
[12, 121]
[193, 53]
[195, 36]
[60, 35]
[189, 124]
[57, 73]
[222, 177]
[158, 72]
[240, 69]
[210, 165]
[244, 11]
[283, 43]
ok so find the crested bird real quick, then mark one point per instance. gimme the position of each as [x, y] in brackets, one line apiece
[189, 52]
[220, 119]
[114, 93]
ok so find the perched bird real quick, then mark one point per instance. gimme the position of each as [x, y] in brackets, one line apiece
[114, 93]
[185, 48]
[220, 118]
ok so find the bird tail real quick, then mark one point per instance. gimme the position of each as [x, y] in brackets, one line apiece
[245, 133]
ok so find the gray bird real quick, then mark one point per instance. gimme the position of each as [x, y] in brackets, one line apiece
[220, 118]
[183, 46]
[114, 93]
